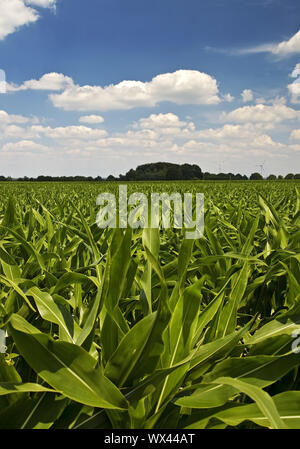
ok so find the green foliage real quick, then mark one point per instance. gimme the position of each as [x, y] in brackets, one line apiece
[142, 328]
[256, 177]
[163, 171]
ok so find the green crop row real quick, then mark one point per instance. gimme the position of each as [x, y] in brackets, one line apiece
[141, 328]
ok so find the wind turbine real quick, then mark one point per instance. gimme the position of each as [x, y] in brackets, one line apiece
[221, 166]
[262, 168]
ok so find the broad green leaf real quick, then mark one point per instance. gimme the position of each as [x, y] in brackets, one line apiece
[287, 404]
[66, 367]
[229, 314]
[12, 388]
[51, 311]
[125, 358]
[262, 399]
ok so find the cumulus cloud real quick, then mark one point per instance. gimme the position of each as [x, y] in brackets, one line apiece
[261, 113]
[48, 82]
[69, 132]
[282, 49]
[166, 132]
[155, 121]
[24, 146]
[42, 3]
[91, 119]
[296, 72]
[157, 125]
[295, 135]
[294, 88]
[289, 46]
[17, 13]
[17, 132]
[259, 146]
[228, 97]
[247, 95]
[14, 14]
[6, 118]
[181, 87]
[150, 136]
[164, 124]
[231, 132]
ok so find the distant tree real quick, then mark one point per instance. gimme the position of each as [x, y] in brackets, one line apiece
[238, 177]
[187, 171]
[173, 173]
[297, 176]
[111, 178]
[256, 177]
[160, 171]
[197, 172]
[222, 176]
[43, 178]
[272, 177]
[131, 175]
[280, 177]
[289, 176]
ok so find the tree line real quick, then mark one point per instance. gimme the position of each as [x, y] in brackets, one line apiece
[159, 171]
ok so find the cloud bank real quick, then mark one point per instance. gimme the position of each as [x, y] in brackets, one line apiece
[17, 13]
[180, 87]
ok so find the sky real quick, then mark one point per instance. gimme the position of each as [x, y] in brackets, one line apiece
[97, 87]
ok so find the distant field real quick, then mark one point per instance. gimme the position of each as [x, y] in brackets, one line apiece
[247, 190]
[144, 329]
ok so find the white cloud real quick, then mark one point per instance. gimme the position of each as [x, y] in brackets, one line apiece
[17, 13]
[228, 97]
[155, 121]
[166, 133]
[91, 119]
[18, 132]
[181, 87]
[163, 124]
[42, 3]
[148, 138]
[282, 49]
[69, 132]
[295, 135]
[14, 14]
[27, 146]
[296, 72]
[247, 95]
[288, 47]
[259, 146]
[294, 88]
[247, 131]
[261, 113]
[50, 81]
[6, 118]
[260, 100]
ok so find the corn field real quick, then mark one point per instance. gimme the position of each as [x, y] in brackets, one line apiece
[143, 329]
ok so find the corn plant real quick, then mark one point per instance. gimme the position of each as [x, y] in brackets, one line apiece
[143, 329]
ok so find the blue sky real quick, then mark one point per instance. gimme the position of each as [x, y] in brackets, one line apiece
[97, 87]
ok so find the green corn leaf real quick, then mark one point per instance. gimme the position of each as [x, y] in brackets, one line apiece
[66, 367]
